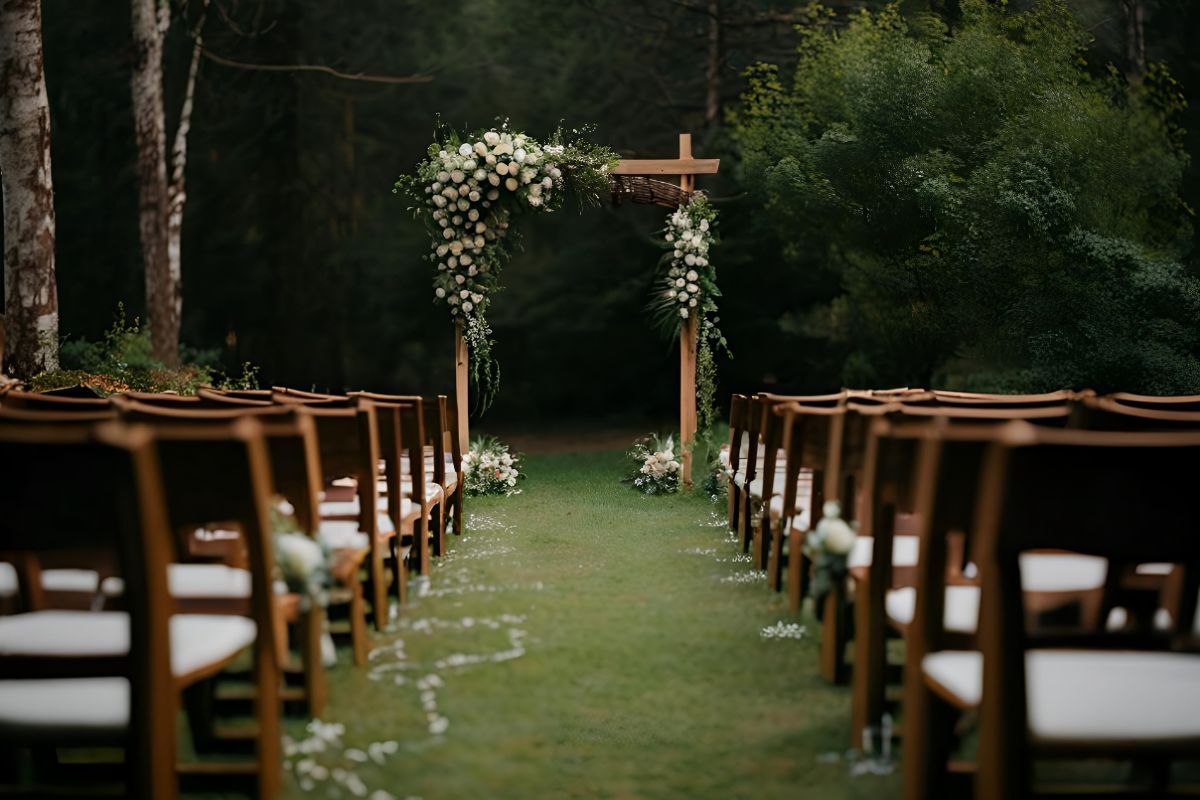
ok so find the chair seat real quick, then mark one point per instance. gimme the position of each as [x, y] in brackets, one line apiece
[8, 579]
[348, 508]
[962, 607]
[200, 582]
[98, 707]
[197, 640]
[1090, 696]
[342, 535]
[905, 550]
[1040, 572]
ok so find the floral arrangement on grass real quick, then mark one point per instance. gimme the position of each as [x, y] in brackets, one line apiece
[468, 190]
[490, 469]
[829, 545]
[656, 466]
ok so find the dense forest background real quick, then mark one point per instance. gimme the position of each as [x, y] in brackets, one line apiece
[298, 257]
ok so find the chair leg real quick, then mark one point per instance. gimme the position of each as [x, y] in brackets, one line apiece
[358, 624]
[869, 677]
[198, 704]
[775, 560]
[379, 609]
[833, 636]
[928, 740]
[458, 509]
[731, 516]
[267, 708]
[311, 626]
[795, 570]
[747, 521]
[439, 527]
[421, 534]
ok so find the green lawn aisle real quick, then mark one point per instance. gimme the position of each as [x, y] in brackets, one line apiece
[585, 641]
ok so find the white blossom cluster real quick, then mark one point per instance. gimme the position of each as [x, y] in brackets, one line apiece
[689, 232]
[784, 630]
[470, 190]
[832, 535]
[489, 468]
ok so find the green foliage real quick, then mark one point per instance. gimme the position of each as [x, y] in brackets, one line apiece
[999, 218]
[122, 360]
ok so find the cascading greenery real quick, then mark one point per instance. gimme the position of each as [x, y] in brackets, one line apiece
[468, 190]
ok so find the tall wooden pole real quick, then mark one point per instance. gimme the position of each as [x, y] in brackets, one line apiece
[462, 376]
[687, 349]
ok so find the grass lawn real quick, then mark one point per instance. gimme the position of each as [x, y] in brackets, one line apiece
[583, 640]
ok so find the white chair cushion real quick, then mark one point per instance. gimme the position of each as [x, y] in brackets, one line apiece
[962, 607]
[338, 535]
[1155, 569]
[905, 550]
[197, 640]
[1091, 696]
[348, 508]
[64, 708]
[1062, 572]
[87, 707]
[201, 582]
[71, 580]
[8, 579]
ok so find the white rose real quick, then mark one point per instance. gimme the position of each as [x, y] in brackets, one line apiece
[511, 184]
[467, 306]
[491, 137]
[535, 200]
[703, 224]
[470, 164]
[474, 198]
[693, 288]
[480, 149]
[692, 275]
[458, 176]
[440, 292]
[494, 180]
[489, 159]
[480, 227]
[460, 280]
[838, 537]
[442, 177]
[692, 303]
[464, 294]
[683, 312]
[519, 155]
[683, 297]
[680, 283]
[456, 247]
[479, 241]
[464, 149]
[555, 173]
[690, 260]
[473, 214]
[448, 233]
[439, 201]
[493, 194]
[480, 174]
[502, 168]
[452, 262]
[441, 250]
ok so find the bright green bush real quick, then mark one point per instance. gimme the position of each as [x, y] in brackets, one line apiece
[1001, 214]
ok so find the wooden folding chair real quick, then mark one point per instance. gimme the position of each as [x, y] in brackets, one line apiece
[733, 455]
[348, 434]
[138, 487]
[1060, 693]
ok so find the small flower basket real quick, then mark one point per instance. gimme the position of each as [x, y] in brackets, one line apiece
[656, 466]
[490, 469]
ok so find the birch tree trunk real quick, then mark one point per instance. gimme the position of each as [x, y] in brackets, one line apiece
[176, 196]
[163, 296]
[30, 292]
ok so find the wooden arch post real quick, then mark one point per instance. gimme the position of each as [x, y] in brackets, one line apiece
[687, 168]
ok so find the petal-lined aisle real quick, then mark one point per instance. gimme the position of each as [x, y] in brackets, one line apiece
[583, 640]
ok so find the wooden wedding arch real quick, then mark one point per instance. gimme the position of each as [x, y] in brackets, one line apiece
[637, 181]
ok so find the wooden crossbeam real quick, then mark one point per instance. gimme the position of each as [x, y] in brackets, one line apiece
[667, 166]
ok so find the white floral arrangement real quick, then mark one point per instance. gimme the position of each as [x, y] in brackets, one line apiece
[829, 545]
[490, 469]
[302, 562]
[657, 467]
[690, 232]
[468, 189]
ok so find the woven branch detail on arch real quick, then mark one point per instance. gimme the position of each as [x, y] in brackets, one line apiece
[648, 191]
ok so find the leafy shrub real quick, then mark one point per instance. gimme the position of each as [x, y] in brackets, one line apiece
[123, 361]
[1001, 217]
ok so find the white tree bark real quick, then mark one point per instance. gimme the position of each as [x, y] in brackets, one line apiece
[30, 291]
[163, 291]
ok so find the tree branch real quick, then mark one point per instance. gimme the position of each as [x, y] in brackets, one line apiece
[424, 77]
